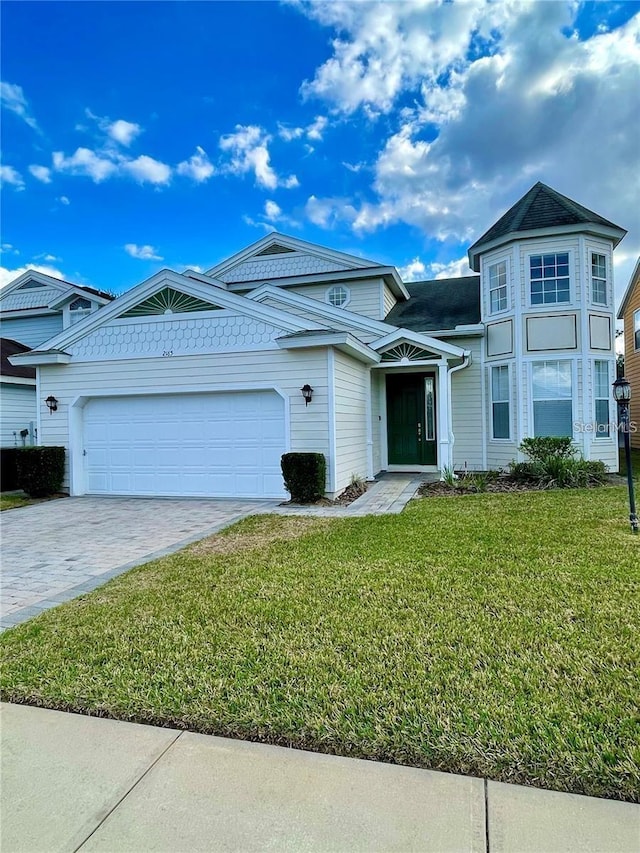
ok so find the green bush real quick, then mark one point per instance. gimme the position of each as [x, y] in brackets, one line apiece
[559, 472]
[40, 470]
[304, 476]
[545, 447]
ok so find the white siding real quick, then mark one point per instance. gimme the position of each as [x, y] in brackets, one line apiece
[32, 331]
[389, 300]
[17, 412]
[351, 386]
[466, 406]
[279, 266]
[365, 337]
[365, 296]
[285, 371]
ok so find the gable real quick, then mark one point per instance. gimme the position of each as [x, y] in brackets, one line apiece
[263, 267]
[29, 297]
[406, 352]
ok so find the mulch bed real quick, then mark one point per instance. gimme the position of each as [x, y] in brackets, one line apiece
[503, 483]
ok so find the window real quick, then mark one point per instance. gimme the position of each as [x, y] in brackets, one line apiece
[498, 287]
[338, 296]
[598, 278]
[500, 401]
[601, 392]
[549, 278]
[636, 330]
[78, 309]
[552, 398]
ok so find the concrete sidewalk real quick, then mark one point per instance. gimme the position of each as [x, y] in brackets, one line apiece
[71, 783]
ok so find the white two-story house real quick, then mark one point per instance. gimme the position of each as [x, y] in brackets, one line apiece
[191, 384]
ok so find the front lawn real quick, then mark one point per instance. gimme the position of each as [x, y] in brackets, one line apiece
[494, 635]
[12, 501]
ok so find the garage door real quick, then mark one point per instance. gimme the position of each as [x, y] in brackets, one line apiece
[213, 445]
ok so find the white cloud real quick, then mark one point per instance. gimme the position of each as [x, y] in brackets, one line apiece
[9, 275]
[85, 162]
[143, 253]
[64, 200]
[198, 167]
[9, 175]
[13, 99]
[272, 211]
[289, 133]
[8, 248]
[123, 131]
[147, 170]
[485, 124]
[413, 271]
[42, 173]
[314, 131]
[317, 128]
[329, 212]
[248, 152]
[450, 269]
[48, 258]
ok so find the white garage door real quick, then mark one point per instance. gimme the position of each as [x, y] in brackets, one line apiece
[213, 445]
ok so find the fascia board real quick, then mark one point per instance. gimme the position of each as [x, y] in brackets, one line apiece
[343, 341]
[35, 358]
[78, 291]
[17, 380]
[416, 337]
[321, 309]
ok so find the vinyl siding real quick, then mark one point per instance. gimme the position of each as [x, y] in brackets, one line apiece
[365, 296]
[365, 337]
[224, 371]
[17, 412]
[351, 381]
[466, 408]
[389, 299]
[32, 331]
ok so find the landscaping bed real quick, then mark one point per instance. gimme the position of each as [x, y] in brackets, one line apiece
[498, 639]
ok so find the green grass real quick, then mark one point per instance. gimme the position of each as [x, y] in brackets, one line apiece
[12, 501]
[494, 635]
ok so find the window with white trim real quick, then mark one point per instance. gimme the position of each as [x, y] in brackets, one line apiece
[549, 276]
[598, 279]
[636, 330]
[500, 427]
[498, 300]
[337, 296]
[552, 398]
[78, 310]
[602, 392]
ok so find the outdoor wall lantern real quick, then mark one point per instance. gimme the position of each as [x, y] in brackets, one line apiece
[622, 396]
[307, 393]
[52, 404]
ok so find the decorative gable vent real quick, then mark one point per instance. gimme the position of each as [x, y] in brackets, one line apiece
[169, 301]
[30, 285]
[275, 249]
[406, 352]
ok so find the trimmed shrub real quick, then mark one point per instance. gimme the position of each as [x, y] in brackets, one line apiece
[544, 447]
[40, 470]
[9, 468]
[304, 476]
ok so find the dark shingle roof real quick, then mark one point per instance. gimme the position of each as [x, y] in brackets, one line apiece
[438, 304]
[7, 348]
[540, 208]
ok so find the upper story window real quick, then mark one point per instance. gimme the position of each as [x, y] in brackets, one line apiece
[78, 309]
[338, 296]
[549, 278]
[598, 278]
[498, 287]
[636, 330]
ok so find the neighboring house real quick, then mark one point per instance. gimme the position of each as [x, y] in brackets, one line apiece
[630, 313]
[17, 398]
[190, 384]
[34, 308]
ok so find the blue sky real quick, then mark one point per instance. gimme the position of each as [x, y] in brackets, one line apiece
[138, 136]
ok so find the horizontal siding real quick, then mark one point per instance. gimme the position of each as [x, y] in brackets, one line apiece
[365, 296]
[17, 412]
[365, 337]
[351, 388]
[389, 299]
[632, 361]
[466, 406]
[32, 331]
[288, 371]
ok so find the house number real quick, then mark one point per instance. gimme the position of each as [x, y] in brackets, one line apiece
[167, 353]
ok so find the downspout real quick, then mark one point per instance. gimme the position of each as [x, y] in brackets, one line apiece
[465, 363]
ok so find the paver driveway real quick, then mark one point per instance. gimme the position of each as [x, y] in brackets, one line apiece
[54, 551]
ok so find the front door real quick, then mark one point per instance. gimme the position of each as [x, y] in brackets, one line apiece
[411, 419]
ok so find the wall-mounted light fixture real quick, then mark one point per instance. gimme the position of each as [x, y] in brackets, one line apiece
[307, 393]
[52, 404]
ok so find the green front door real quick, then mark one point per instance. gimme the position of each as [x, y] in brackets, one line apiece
[411, 421]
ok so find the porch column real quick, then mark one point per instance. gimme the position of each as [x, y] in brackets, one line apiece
[443, 408]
